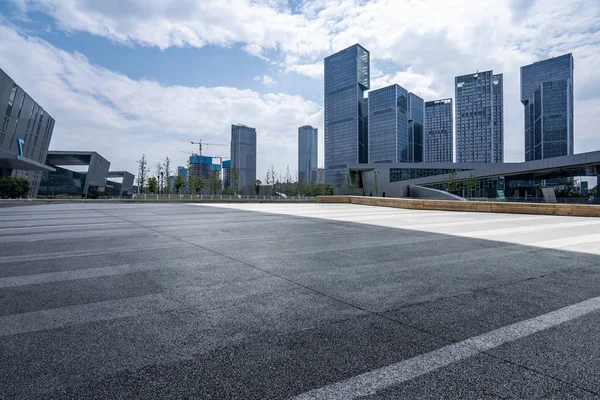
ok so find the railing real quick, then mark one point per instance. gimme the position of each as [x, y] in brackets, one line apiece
[559, 200]
[176, 197]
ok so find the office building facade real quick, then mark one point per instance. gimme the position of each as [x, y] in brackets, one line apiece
[64, 181]
[308, 152]
[388, 125]
[479, 118]
[438, 131]
[416, 119]
[395, 126]
[547, 96]
[347, 76]
[226, 165]
[243, 156]
[25, 133]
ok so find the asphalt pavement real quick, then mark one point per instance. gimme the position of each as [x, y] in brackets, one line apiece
[274, 301]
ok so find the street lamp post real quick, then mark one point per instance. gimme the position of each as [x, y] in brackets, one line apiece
[162, 180]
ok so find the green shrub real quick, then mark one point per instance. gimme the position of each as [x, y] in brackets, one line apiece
[14, 188]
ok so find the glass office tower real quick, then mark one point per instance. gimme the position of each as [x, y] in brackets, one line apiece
[547, 96]
[416, 118]
[395, 126]
[308, 145]
[243, 156]
[347, 77]
[438, 131]
[479, 118]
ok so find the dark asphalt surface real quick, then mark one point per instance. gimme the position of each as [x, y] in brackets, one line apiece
[153, 301]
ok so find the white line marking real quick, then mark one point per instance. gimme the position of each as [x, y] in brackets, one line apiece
[373, 381]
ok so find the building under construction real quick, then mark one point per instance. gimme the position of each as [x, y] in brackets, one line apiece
[200, 166]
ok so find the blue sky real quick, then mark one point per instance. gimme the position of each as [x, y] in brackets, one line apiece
[148, 76]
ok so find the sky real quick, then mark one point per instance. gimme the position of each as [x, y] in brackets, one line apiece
[132, 77]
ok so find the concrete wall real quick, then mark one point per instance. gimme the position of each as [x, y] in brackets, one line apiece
[471, 206]
[97, 172]
[419, 192]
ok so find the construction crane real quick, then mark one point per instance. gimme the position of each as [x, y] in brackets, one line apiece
[200, 143]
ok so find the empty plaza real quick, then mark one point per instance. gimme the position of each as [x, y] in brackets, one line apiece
[274, 301]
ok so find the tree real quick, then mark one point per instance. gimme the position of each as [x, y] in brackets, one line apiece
[257, 186]
[152, 185]
[376, 182]
[288, 176]
[471, 184]
[159, 172]
[275, 180]
[143, 172]
[273, 175]
[451, 182]
[196, 184]
[320, 175]
[235, 179]
[167, 168]
[14, 188]
[214, 183]
[179, 183]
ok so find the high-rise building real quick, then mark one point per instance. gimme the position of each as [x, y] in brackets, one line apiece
[183, 172]
[388, 125]
[416, 118]
[547, 95]
[438, 131]
[200, 166]
[479, 118]
[308, 145]
[25, 132]
[226, 164]
[395, 126]
[347, 76]
[243, 156]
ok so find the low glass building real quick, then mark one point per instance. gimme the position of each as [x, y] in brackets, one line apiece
[490, 180]
[25, 133]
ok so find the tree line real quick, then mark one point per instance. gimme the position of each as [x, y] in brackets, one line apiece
[160, 182]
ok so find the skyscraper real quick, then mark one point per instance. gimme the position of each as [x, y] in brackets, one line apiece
[243, 155]
[308, 145]
[395, 125]
[416, 109]
[547, 95]
[479, 118]
[438, 131]
[347, 77]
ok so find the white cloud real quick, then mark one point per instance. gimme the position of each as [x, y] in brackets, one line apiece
[121, 118]
[421, 45]
[266, 80]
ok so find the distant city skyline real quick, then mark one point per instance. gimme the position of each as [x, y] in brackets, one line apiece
[116, 89]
